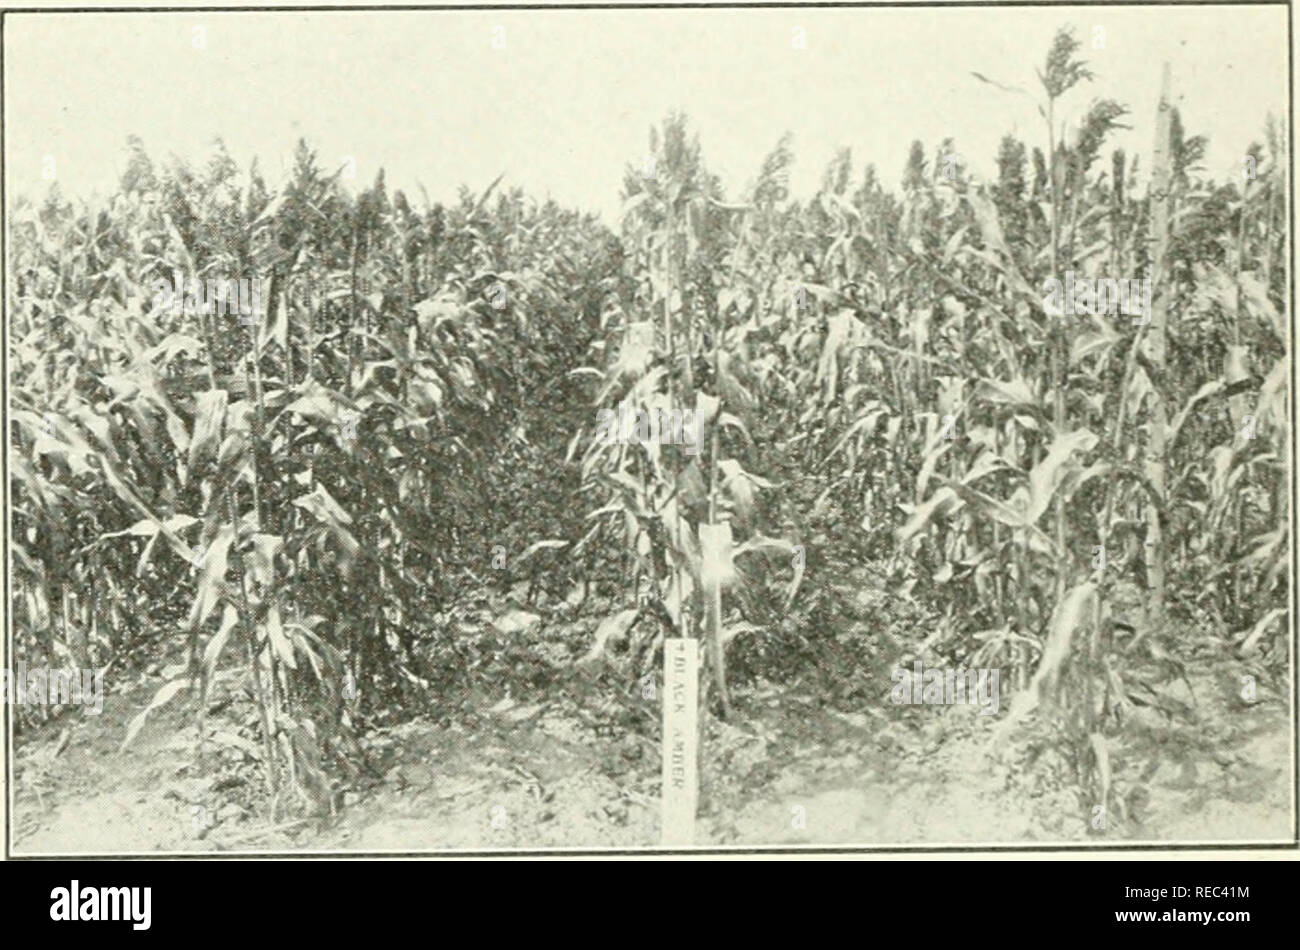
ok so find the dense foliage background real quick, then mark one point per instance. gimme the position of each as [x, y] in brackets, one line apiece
[311, 512]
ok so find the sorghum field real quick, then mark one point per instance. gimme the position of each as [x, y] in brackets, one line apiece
[370, 568]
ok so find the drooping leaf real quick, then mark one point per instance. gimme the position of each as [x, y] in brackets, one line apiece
[941, 502]
[209, 420]
[1072, 614]
[322, 505]
[1013, 392]
[612, 630]
[280, 644]
[212, 575]
[212, 652]
[1047, 474]
[161, 697]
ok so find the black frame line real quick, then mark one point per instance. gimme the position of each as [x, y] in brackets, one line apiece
[650, 851]
[757, 5]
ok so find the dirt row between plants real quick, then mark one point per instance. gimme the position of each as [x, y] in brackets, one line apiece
[555, 772]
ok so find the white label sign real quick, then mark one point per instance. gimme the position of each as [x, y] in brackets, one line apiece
[681, 709]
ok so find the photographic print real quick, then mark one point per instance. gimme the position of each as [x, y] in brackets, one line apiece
[856, 428]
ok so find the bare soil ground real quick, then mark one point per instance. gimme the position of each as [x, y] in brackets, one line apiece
[577, 769]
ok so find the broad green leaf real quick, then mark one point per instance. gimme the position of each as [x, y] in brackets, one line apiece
[867, 420]
[212, 576]
[1071, 615]
[164, 694]
[942, 501]
[209, 419]
[280, 644]
[1013, 392]
[612, 630]
[147, 527]
[1252, 637]
[212, 651]
[261, 560]
[547, 545]
[322, 505]
[1211, 388]
[1100, 338]
[1047, 474]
